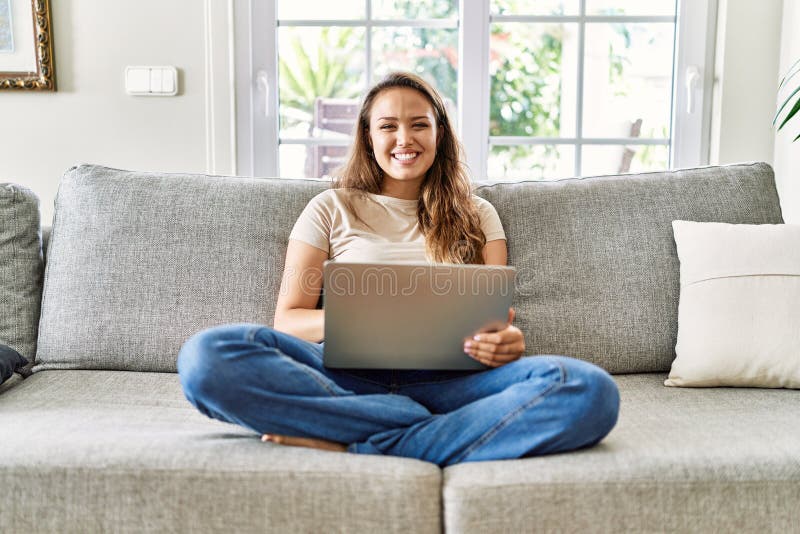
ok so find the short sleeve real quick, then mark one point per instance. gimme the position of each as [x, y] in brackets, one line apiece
[490, 220]
[313, 226]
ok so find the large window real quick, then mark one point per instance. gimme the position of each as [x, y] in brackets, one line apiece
[540, 89]
[574, 84]
[327, 62]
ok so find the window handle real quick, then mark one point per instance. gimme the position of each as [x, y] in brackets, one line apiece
[263, 85]
[692, 79]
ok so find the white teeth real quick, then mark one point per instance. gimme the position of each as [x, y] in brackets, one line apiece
[404, 157]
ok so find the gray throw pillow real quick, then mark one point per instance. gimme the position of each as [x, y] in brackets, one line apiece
[21, 268]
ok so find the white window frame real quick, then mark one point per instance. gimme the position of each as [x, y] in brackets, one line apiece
[693, 83]
[256, 36]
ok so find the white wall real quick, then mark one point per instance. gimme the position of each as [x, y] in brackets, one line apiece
[746, 79]
[787, 154]
[90, 119]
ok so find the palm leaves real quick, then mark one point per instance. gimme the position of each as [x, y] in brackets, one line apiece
[303, 79]
[793, 71]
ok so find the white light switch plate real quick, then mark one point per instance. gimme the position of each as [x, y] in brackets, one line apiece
[151, 81]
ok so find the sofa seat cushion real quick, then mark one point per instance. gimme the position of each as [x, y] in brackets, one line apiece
[103, 451]
[699, 460]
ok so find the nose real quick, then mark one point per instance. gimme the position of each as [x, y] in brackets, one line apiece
[404, 136]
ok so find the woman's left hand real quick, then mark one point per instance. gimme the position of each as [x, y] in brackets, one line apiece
[497, 348]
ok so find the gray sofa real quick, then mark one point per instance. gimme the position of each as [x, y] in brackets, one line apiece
[99, 438]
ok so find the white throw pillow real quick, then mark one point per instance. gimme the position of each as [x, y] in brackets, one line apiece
[739, 310]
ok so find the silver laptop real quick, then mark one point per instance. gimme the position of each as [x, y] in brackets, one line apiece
[410, 315]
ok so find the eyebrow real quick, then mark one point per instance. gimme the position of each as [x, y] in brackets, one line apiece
[412, 118]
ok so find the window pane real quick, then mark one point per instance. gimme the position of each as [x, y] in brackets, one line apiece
[628, 77]
[414, 9]
[534, 7]
[292, 161]
[630, 7]
[533, 72]
[310, 161]
[316, 65]
[597, 160]
[321, 9]
[531, 162]
[430, 53]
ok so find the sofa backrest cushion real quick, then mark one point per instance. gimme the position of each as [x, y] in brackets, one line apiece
[21, 269]
[598, 272]
[137, 262]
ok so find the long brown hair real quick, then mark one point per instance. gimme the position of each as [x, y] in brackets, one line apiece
[448, 217]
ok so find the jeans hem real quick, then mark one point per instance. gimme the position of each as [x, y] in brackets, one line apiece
[363, 448]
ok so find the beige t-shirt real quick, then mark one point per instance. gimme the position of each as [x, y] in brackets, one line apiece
[394, 235]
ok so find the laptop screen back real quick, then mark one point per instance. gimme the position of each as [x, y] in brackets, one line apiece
[411, 316]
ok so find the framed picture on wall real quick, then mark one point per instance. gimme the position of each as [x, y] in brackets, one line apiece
[26, 45]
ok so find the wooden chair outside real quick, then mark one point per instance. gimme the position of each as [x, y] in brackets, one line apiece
[337, 115]
[629, 151]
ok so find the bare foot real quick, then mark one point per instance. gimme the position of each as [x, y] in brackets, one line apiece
[305, 442]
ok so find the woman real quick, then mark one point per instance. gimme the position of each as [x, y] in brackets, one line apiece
[403, 195]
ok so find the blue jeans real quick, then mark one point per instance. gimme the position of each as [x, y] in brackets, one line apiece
[275, 383]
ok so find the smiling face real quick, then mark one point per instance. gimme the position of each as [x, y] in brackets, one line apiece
[403, 134]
